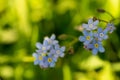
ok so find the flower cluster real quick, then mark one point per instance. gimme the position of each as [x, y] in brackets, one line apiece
[93, 35]
[47, 53]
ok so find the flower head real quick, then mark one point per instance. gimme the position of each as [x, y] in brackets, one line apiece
[96, 46]
[101, 34]
[92, 25]
[45, 55]
[59, 52]
[110, 27]
[87, 38]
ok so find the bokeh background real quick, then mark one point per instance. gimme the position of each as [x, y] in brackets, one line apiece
[25, 22]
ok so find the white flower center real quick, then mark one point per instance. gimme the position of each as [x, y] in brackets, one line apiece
[101, 34]
[91, 26]
[58, 51]
[111, 27]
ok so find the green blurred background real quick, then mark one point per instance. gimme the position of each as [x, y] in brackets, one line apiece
[25, 22]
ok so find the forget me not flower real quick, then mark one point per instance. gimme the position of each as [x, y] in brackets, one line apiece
[59, 52]
[92, 25]
[87, 38]
[47, 53]
[51, 40]
[101, 34]
[96, 46]
[110, 27]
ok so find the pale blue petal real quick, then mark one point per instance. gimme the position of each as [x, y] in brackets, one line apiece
[36, 62]
[90, 21]
[95, 35]
[105, 31]
[100, 39]
[53, 37]
[105, 37]
[35, 55]
[86, 42]
[45, 42]
[85, 32]
[56, 46]
[85, 25]
[89, 29]
[95, 27]
[95, 51]
[55, 42]
[62, 55]
[90, 46]
[96, 22]
[91, 33]
[63, 48]
[82, 38]
[52, 64]
[101, 49]
[38, 45]
[55, 59]
[99, 30]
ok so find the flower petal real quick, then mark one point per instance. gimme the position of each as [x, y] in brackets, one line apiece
[63, 48]
[85, 25]
[90, 21]
[86, 42]
[96, 22]
[95, 35]
[38, 45]
[36, 62]
[85, 32]
[35, 55]
[95, 51]
[53, 37]
[91, 33]
[55, 42]
[45, 42]
[62, 55]
[99, 30]
[90, 46]
[52, 64]
[82, 38]
[101, 49]
[105, 37]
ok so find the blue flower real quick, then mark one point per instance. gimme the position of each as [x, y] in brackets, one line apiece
[110, 27]
[42, 48]
[38, 59]
[51, 60]
[92, 25]
[47, 53]
[96, 46]
[51, 40]
[87, 38]
[59, 52]
[101, 34]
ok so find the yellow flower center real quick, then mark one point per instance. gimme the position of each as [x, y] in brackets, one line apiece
[43, 48]
[49, 59]
[88, 37]
[44, 54]
[40, 58]
[96, 45]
